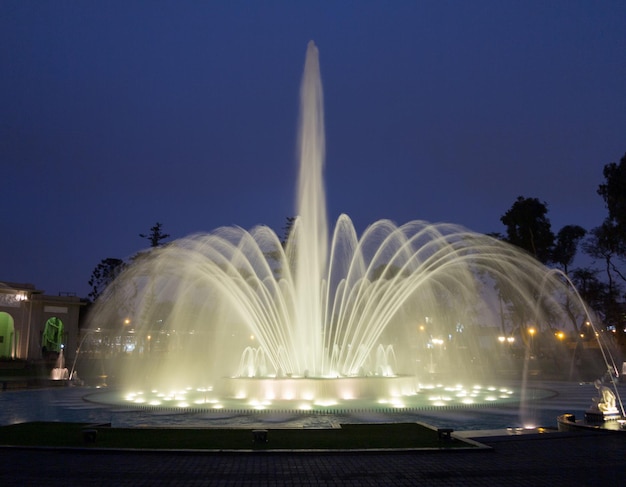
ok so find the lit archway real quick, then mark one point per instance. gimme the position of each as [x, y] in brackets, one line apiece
[52, 336]
[7, 335]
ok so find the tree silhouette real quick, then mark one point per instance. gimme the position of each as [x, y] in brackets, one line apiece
[613, 191]
[155, 236]
[528, 227]
[103, 275]
[566, 245]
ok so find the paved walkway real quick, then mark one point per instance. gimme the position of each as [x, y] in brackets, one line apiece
[550, 459]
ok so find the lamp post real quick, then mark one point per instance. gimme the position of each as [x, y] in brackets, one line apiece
[531, 332]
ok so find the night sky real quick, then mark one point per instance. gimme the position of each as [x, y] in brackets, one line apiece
[117, 114]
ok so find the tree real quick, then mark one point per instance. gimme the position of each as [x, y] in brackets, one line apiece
[528, 227]
[103, 275]
[566, 245]
[613, 191]
[604, 243]
[155, 236]
[591, 289]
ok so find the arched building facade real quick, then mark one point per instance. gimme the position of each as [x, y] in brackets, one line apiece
[35, 326]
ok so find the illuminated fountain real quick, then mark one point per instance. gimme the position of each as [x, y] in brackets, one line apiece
[325, 317]
[59, 372]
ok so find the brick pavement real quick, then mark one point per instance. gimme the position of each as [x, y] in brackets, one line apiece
[530, 460]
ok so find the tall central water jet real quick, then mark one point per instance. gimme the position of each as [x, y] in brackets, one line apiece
[309, 243]
[324, 317]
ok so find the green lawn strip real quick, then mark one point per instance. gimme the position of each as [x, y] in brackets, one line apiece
[349, 436]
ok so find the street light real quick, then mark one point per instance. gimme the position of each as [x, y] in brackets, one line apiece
[531, 332]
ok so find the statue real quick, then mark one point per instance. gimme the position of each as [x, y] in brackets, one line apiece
[605, 402]
[603, 407]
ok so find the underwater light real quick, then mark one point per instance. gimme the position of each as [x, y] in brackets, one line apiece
[326, 403]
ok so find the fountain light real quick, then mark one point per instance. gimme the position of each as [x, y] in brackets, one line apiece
[397, 403]
[325, 403]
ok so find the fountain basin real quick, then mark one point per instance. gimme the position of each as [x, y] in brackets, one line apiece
[424, 397]
[568, 422]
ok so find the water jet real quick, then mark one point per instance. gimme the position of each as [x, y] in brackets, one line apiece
[326, 316]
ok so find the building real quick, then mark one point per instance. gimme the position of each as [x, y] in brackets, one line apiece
[35, 326]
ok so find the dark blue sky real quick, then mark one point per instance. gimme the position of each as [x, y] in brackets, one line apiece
[119, 114]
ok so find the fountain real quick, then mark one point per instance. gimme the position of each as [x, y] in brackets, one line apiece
[59, 372]
[325, 317]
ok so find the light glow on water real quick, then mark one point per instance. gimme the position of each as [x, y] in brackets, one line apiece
[428, 395]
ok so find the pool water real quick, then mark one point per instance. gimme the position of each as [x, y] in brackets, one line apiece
[544, 402]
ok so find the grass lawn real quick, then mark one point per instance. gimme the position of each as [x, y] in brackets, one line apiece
[349, 436]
